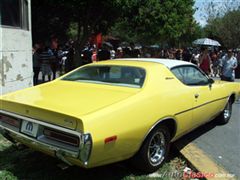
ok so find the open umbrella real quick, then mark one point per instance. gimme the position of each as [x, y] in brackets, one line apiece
[155, 46]
[124, 44]
[206, 42]
[107, 44]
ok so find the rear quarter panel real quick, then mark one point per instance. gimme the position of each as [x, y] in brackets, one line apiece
[228, 88]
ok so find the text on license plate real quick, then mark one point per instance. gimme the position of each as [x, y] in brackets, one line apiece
[29, 128]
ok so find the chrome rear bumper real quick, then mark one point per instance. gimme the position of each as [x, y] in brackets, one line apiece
[42, 143]
[59, 152]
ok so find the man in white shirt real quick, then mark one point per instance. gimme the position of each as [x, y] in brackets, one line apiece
[228, 64]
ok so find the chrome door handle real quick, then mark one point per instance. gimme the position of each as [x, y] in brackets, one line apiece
[196, 96]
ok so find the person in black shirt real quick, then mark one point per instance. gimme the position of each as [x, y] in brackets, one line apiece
[36, 63]
[134, 53]
[186, 55]
[103, 54]
[46, 56]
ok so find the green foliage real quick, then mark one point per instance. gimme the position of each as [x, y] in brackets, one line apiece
[223, 22]
[72, 31]
[123, 31]
[63, 17]
[145, 21]
[225, 29]
[158, 22]
[6, 175]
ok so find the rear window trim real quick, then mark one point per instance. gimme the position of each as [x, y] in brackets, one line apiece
[111, 84]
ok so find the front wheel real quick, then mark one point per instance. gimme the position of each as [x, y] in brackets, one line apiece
[154, 150]
[225, 115]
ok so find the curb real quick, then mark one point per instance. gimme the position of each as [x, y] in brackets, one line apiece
[203, 163]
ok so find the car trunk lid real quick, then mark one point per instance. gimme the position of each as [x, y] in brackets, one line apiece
[63, 102]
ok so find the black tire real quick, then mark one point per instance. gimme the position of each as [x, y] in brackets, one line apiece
[156, 144]
[225, 115]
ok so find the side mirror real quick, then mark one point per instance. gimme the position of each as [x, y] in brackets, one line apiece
[210, 81]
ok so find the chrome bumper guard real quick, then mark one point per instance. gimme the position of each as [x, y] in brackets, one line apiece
[61, 151]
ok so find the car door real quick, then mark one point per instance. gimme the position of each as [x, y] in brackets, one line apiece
[201, 93]
[204, 96]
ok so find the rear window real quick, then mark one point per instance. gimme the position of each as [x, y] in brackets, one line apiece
[111, 75]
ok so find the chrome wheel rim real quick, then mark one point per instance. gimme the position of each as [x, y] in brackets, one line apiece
[157, 149]
[227, 111]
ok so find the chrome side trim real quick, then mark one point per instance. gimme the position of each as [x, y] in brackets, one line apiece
[202, 105]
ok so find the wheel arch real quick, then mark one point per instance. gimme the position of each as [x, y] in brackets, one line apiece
[232, 98]
[169, 122]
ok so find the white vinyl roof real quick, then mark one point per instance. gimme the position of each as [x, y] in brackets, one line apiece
[170, 63]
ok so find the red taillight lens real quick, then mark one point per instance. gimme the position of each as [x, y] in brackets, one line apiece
[9, 120]
[61, 137]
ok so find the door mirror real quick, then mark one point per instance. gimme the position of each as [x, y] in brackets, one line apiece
[210, 81]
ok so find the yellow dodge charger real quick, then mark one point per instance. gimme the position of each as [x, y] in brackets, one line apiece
[115, 110]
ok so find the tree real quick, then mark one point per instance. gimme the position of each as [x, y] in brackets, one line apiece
[89, 16]
[145, 21]
[155, 21]
[225, 29]
[48, 18]
[229, 29]
[223, 22]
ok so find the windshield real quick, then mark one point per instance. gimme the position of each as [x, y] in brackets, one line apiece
[109, 74]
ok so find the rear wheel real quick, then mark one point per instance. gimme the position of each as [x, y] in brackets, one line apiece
[154, 150]
[225, 116]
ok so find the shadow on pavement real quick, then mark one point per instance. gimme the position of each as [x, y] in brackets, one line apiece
[29, 164]
[190, 137]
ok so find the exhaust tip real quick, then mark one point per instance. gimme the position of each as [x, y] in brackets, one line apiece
[63, 166]
[60, 155]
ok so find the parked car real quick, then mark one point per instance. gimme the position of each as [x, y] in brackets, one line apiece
[115, 110]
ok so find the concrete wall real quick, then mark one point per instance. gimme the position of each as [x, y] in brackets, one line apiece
[15, 58]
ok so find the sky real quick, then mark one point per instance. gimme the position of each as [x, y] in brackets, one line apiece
[199, 5]
[200, 14]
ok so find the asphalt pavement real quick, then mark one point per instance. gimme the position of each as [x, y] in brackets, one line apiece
[220, 143]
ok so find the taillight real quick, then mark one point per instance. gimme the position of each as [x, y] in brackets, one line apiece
[61, 137]
[10, 121]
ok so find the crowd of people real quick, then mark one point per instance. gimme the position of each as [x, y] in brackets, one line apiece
[215, 63]
[49, 61]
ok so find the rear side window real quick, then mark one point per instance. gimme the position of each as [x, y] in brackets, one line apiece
[190, 75]
[112, 75]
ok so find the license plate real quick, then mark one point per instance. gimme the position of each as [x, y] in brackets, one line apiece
[29, 128]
